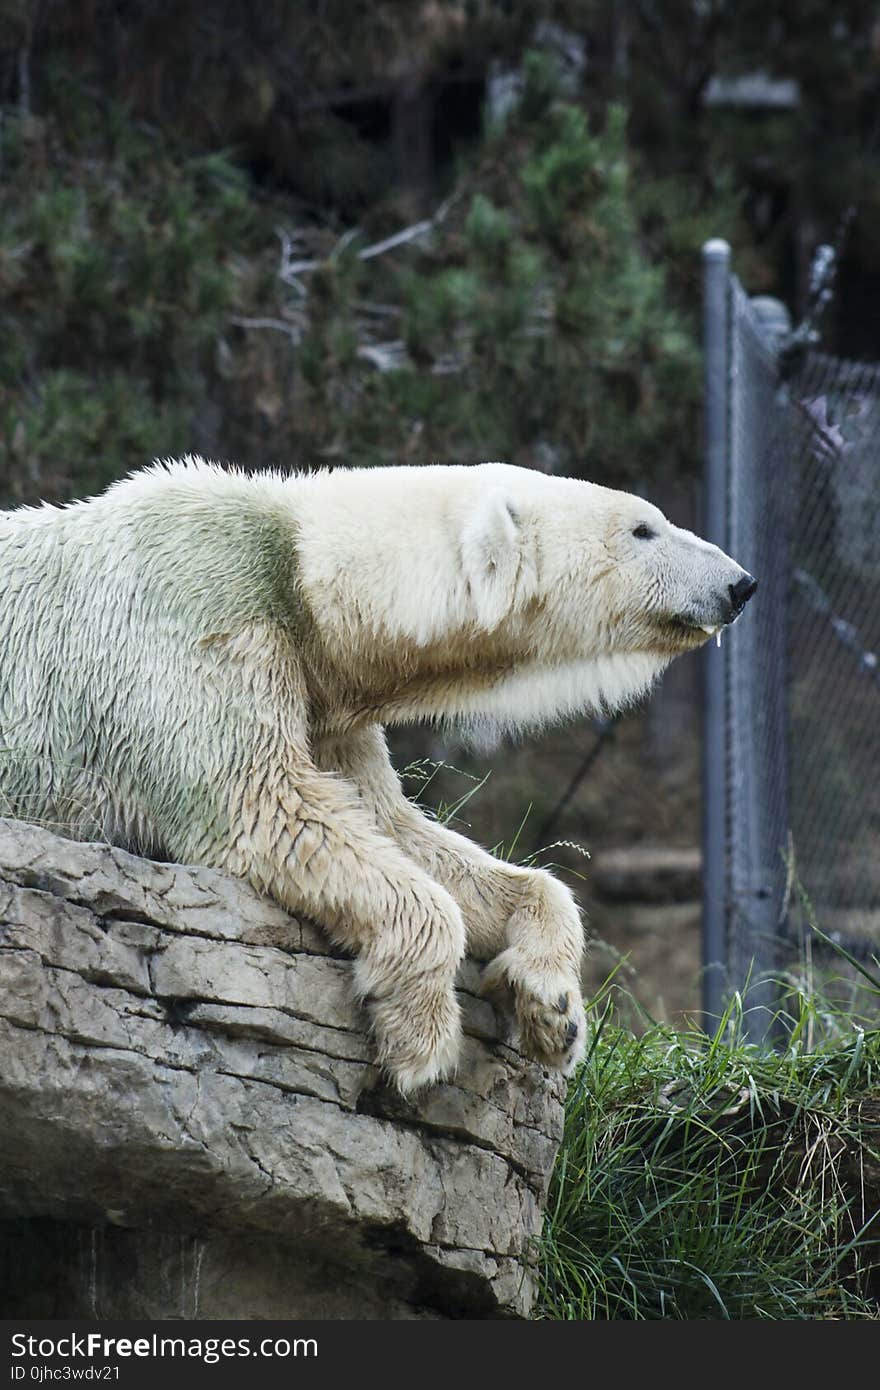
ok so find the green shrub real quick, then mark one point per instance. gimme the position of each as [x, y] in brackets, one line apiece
[143, 311]
[116, 280]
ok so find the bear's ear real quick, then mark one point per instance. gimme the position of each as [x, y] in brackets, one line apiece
[492, 545]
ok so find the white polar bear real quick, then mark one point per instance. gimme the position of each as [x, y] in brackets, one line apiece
[198, 663]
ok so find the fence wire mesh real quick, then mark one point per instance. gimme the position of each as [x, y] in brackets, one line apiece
[794, 800]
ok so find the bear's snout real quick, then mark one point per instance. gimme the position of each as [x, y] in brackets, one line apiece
[740, 593]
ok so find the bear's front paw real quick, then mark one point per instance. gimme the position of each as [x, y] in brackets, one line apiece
[550, 1017]
[417, 1027]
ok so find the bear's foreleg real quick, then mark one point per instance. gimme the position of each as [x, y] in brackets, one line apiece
[304, 839]
[524, 921]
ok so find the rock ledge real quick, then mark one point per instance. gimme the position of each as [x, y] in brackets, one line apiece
[191, 1124]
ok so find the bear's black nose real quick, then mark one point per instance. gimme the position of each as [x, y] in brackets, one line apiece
[741, 592]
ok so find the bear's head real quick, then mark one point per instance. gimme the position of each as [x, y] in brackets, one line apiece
[597, 587]
[607, 567]
[504, 597]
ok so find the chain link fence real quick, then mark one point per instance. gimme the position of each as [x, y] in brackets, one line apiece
[792, 699]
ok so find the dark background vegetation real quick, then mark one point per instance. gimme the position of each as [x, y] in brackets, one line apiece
[197, 204]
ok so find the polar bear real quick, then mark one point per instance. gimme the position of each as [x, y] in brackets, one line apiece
[198, 665]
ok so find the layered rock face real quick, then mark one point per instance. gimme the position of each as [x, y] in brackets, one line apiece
[191, 1123]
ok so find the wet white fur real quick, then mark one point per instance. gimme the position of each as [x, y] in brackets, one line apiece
[199, 663]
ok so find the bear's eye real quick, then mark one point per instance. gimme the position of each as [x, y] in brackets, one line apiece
[643, 532]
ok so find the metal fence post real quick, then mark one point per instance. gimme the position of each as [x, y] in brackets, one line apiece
[790, 741]
[716, 312]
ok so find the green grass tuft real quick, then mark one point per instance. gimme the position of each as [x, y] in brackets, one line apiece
[703, 1177]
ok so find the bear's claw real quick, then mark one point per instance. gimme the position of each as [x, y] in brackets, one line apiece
[550, 1033]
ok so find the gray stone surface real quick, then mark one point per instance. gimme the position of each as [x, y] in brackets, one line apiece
[186, 1084]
